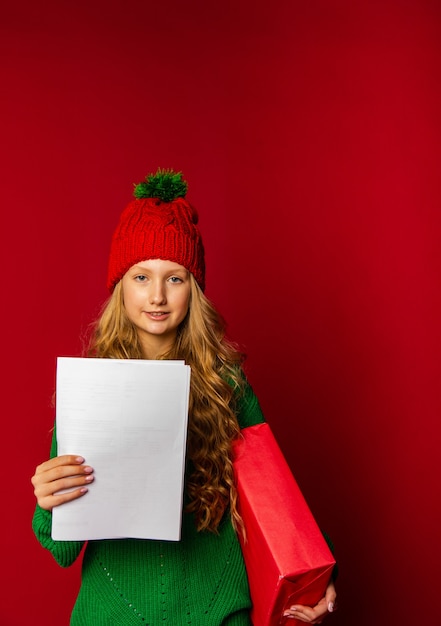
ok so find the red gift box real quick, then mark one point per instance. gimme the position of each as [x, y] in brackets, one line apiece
[286, 556]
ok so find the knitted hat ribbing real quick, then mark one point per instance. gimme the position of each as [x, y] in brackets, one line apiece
[158, 224]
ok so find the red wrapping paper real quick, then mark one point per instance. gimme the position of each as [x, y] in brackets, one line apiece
[286, 556]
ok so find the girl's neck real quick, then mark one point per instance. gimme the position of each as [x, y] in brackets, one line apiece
[154, 347]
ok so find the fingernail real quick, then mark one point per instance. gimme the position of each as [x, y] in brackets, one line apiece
[88, 470]
[79, 459]
[330, 606]
[289, 611]
[89, 478]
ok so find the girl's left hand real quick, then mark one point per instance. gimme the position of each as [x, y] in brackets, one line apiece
[316, 614]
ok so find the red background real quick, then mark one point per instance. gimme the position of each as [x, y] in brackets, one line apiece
[309, 133]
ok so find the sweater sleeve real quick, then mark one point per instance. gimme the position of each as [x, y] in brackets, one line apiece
[249, 412]
[331, 547]
[64, 552]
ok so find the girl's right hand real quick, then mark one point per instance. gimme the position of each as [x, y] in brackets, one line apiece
[57, 474]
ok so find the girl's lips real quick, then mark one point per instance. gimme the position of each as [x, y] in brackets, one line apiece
[157, 315]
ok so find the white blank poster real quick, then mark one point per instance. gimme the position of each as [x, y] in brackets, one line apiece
[128, 419]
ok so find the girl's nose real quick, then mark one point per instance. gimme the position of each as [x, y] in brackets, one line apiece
[157, 294]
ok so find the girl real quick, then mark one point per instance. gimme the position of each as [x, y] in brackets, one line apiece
[157, 310]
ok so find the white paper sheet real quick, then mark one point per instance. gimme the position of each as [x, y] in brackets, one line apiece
[128, 419]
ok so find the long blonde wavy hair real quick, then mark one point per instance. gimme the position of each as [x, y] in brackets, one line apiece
[216, 381]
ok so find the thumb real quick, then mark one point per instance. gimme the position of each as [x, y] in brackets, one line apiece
[330, 597]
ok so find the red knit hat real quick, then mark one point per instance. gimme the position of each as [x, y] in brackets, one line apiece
[158, 224]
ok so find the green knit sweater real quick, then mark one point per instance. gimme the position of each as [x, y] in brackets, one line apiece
[200, 580]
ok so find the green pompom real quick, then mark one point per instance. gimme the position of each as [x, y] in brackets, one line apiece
[166, 185]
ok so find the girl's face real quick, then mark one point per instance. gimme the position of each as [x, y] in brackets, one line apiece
[156, 297]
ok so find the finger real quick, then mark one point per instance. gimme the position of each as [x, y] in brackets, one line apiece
[66, 459]
[53, 501]
[298, 613]
[58, 472]
[52, 487]
[61, 472]
[301, 618]
[307, 613]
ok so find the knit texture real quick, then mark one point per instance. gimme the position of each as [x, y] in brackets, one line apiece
[151, 229]
[200, 580]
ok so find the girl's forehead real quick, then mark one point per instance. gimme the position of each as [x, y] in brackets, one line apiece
[159, 264]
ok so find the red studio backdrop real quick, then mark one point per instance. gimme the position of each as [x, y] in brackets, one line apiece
[309, 133]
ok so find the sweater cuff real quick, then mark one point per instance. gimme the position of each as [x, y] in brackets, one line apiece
[42, 524]
[64, 552]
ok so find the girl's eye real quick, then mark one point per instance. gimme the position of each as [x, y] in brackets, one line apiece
[140, 278]
[175, 279]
